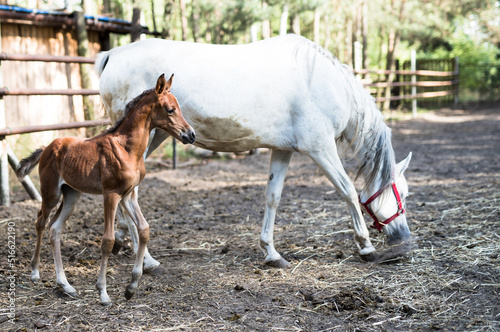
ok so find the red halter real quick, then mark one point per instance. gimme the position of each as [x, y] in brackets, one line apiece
[376, 223]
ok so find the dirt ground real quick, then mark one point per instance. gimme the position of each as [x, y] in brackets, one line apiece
[205, 223]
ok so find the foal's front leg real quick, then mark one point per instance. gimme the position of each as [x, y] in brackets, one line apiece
[111, 201]
[131, 206]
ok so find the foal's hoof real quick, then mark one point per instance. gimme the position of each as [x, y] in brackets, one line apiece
[116, 247]
[129, 293]
[279, 263]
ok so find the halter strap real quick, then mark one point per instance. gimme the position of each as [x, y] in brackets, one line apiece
[366, 205]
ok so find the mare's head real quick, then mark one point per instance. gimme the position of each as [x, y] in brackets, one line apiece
[167, 115]
[387, 206]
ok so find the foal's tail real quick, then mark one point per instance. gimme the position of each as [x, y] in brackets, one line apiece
[27, 164]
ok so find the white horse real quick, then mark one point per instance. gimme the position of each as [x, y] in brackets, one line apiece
[286, 94]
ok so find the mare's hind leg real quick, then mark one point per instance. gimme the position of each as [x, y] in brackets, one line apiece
[125, 222]
[111, 201]
[329, 162]
[70, 197]
[131, 206]
[277, 172]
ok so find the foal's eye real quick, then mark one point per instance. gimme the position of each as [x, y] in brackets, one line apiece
[170, 110]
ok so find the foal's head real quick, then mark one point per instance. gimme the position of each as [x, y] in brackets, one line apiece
[167, 115]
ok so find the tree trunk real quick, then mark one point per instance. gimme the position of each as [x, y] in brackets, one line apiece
[184, 21]
[195, 23]
[266, 24]
[167, 25]
[153, 15]
[85, 69]
[392, 46]
[295, 23]
[317, 20]
[284, 20]
[135, 33]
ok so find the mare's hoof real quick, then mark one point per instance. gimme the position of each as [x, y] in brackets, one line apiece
[129, 293]
[279, 263]
[151, 269]
[116, 247]
[106, 304]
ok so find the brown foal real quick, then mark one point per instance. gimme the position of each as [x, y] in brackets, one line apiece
[110, 164]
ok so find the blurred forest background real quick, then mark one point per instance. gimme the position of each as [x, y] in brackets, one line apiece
[383, 30]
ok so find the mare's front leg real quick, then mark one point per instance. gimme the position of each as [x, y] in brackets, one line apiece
[329, 162]
[131, 206]
[277, 172]
[70, 197]
[111, 201]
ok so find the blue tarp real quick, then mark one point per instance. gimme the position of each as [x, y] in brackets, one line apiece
[55, 12]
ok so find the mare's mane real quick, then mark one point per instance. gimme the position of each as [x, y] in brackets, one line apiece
[366, 134]
[128, 109]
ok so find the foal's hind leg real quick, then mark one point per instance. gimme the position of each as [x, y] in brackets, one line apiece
[329, 162]
[70, 197]
[43, 215]
[131, 206]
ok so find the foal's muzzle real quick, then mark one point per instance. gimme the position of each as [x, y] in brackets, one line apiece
[188, 136]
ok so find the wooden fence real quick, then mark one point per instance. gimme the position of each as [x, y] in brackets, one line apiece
[7, 155]
[414, 82]
[8, 158]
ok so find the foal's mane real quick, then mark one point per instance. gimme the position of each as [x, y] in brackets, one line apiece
[366, 135]
[128, 109]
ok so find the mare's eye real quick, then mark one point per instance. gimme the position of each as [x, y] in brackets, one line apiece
[170, 110]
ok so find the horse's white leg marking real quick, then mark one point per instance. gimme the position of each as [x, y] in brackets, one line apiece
[126, 222]
[43, 215]
[329, 162]
[131, 205]
[277, 172]
[70, 197]
[108, 239]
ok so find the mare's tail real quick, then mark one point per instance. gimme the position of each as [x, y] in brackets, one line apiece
[27, 164]
[101, 62]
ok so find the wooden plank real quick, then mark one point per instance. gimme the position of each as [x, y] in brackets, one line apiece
[418, 96]
[59, 126]
[47, 92]
[421, 84]
[45, 58]
[407, 72]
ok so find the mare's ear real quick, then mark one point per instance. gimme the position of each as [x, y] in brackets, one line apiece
[161, 84]
[403, 165]
[169, 82]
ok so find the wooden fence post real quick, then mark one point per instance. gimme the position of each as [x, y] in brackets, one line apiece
[4, 163]
[414, 82]
[456, 69]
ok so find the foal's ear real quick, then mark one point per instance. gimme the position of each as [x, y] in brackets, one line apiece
[161, 84]
[169, 82]
[403, 165]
